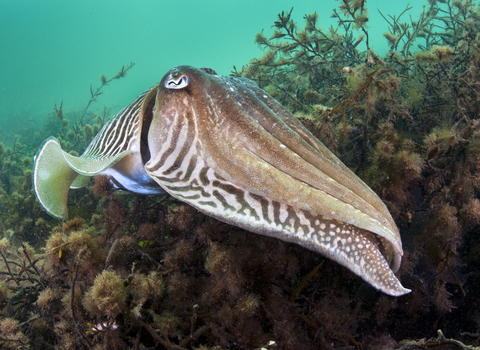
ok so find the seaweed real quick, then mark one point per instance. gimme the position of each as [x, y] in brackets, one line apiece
[151, 272]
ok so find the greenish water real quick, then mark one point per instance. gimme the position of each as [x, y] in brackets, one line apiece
[52, 51]
[407, 124]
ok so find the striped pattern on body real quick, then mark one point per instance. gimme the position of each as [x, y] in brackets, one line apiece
[119, 133]
[183, 173]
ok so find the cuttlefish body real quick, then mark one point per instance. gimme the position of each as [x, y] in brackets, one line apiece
[226, 147]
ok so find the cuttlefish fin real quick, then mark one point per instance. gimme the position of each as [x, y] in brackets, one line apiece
[80, 182]
[55, 172]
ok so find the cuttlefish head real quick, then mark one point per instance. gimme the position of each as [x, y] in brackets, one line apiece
[226, 147]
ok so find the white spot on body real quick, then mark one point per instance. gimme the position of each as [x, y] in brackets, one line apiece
[304, 221]
[283, 213]
[254, 204]
[270, 211]
[300, 231]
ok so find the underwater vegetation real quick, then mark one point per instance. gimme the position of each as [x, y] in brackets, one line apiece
[150, 272]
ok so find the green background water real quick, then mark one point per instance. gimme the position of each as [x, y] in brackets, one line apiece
[52, 51]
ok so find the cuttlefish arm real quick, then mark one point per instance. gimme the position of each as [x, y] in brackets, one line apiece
[241, 158]
[115, 151]
[330, 164]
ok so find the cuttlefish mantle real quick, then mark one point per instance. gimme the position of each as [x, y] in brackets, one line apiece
[226, 147]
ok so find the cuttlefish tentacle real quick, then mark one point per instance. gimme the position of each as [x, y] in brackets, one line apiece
[215, 145]
[116, 151]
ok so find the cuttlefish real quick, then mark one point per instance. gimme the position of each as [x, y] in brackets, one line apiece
[227, 148]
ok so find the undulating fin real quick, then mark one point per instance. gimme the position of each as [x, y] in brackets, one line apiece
[91, 166]
[80, 182]
[55, 171]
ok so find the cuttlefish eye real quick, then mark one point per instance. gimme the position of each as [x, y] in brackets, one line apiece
[176, 82]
